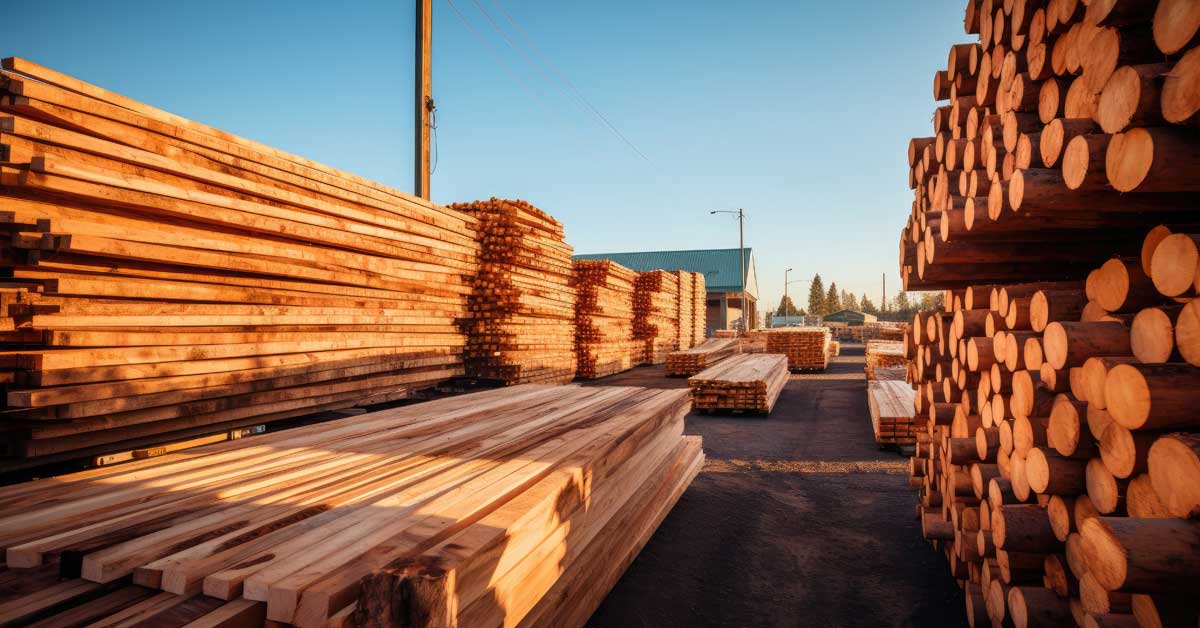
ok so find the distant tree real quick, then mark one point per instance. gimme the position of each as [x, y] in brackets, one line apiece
[816, 296]
[901, 303]
[866, 306]
[932, 301]
[786, 307]
[849, 301]
[833, 302]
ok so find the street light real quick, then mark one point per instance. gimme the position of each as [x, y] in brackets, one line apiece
[742, 256]
[785, 294]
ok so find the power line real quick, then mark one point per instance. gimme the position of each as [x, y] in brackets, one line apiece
[557, 71]
[499, 58]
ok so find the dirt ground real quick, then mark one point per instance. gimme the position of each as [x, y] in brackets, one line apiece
[796, 520]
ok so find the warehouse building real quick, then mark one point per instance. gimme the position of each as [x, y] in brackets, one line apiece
[721, 269]
[853, 318]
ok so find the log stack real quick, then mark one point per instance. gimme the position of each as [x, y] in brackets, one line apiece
[656, 314]
[702, 356]
[604, 340]
[1056, 205]
[806, 348]
[168, 280]
[522, 325]
[482, 509]
[743, 383]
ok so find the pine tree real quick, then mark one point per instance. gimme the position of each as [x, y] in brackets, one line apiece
[833, 302]
[867, 306]
[787, 307]
[850, 301]
[902, 304]
[816, 296]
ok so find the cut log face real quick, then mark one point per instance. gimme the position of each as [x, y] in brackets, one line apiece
[1152, 396]
[1142, 555]
[1174, 465]
[1181, 89]
[1175, 25]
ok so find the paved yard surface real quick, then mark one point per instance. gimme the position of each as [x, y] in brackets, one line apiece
[796, 520]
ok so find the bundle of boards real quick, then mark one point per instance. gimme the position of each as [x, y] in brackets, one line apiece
[1058, 205]
[604, 342]
[656, 314]
[702, 356]
[522, 324]
[806, 348]
[892, 417]
[166, 279]
[746, 383]
[693, 309]
[883, 354]
[519, 506]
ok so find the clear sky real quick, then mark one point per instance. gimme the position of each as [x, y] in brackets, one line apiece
[796, 110]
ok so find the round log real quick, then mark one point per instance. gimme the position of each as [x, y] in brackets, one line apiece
[1124, 452]
[1153, 159]
[1165, 611]
[1029, 432]
[1105, 491]
[1023, 528]
[1067, 430]
[1122, 286]
[1049, 473]
[1067, 344]
[1097, 600]
[1153, 396]
[1174, 466]
[1173, 266]
[1152, 335]
[1142, 555]
[1175, 24]
[1061, 510]
[1037, 607]
[1083, 159]
[1131, 97]
[1181, 89]
[1142, 501]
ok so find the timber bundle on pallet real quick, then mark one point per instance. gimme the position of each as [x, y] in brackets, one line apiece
[604, 341]
[883, 354]
[748, 383]
[699, 322]
[167, 280]
[1057, 205]
[516, 506]
[522, 325]
[702, 356]
[656, 314]
[806, 348]
[686, 310]
[892, 417]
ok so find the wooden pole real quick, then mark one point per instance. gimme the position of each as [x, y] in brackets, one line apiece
[423, 103]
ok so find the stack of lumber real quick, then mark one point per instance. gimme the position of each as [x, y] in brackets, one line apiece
[806, 348]
[699, 322]
[883, 354]
[686, 309]
[702, 356]
[518, 505]
[656, 314]
[892, 417]
[725, 333]
[743, 383]
[1057, 206]
[522, 325]
[168, 280]
[883, 331]
[604, 341]
[835, 348]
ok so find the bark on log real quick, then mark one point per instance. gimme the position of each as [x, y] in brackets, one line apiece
[1142, 555]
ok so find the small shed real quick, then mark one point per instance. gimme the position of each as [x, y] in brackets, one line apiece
[852, 318]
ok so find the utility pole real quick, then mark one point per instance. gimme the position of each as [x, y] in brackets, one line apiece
[785, 292]
[742, 258]
[883, 301]
[423, 105]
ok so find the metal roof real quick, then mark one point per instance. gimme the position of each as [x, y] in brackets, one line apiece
[719, 266]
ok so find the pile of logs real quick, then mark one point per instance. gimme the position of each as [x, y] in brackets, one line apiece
[883, 354]
[806, 348]
[702, 356]
[167, 280]
[1056, 205]
[516, 506]
[522, 324]
[656, 320]
[743, 383]
[604, 341]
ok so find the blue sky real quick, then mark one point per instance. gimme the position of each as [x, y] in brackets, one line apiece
[798, 111]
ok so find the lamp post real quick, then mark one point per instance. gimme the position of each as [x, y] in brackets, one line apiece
[785, 292]
[742, 256]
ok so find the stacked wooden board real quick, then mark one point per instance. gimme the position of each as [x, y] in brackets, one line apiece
[744, 383]
[699, 323]
[1057, 205]
[522, 324]
[604, 340]
[686, 310]
[806, 348]
[516, 506]
[883, 354]
[656, 314]
[166, 279]
[702, 356]
[892, 417]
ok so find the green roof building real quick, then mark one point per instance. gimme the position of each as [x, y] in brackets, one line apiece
[722, 279]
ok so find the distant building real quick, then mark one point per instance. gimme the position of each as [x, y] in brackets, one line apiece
[720, 268]
[851, 317]
[795, 321]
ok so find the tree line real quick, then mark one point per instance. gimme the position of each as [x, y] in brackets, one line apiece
[823, 302]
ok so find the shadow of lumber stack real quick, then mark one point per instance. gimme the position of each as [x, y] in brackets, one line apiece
[702, 356]
[523, 505]
[806, 348]
[168, 280]
[522, 324]
[1057, 205]
[656, 314]
[604, 341]
[748, 383]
